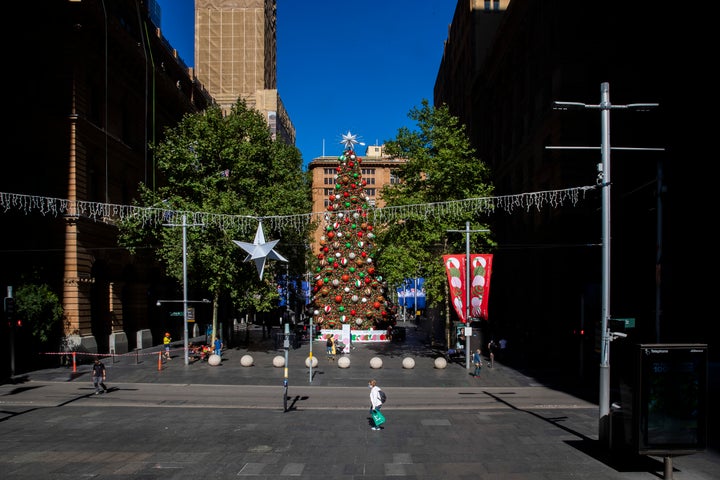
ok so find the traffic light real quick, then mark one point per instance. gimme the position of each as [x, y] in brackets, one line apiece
[9, 306]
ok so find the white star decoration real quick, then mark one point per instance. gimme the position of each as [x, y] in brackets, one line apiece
[349, 140]
[260, 251]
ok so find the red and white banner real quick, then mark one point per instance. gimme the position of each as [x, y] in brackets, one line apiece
[480, 267]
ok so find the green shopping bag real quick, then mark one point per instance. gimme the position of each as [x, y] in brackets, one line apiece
[378, 417]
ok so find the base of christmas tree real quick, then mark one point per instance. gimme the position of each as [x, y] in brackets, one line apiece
[356, 336]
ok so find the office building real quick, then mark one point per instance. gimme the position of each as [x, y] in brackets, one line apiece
[236, 57]
[85, 110]
[502, 70]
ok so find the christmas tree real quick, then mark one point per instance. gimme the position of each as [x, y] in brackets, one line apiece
[347, 288]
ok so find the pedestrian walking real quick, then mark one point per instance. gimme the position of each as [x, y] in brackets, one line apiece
[218, 346]
[375, 404]
[477, 362]
[166, 342]
[492, 346]
[503, 349]
[98, 377]
[331, 348]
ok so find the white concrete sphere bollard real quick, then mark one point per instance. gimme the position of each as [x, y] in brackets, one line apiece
[376, 362]
[344, 362]
[440, 362]
[408, 362]
[247, 361]
[279, 361]
[214, 359]
[314, 362]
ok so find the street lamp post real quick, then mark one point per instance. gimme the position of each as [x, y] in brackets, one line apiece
[604, 170]
[468, 281]
[184, 226]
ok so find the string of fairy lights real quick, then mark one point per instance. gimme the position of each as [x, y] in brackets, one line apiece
[114, 213]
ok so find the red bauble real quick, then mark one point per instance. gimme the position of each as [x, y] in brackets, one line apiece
[338, 298]
[376, 304]
[331, 234]
[345, 277]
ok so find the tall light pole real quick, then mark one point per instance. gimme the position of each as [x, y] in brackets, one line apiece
[468, 281]
[184, 226]
[605, 183]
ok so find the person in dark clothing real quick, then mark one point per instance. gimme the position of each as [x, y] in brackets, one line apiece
[98, 376]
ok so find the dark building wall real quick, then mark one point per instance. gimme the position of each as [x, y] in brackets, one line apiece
[547, 268]
[92, 86]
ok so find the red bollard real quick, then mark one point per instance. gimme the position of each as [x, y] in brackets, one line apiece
[159, 361]
[74, 362]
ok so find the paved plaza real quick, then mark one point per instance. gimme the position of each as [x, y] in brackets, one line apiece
[167, 420]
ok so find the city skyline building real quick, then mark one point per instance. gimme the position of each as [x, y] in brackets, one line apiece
[236, 57]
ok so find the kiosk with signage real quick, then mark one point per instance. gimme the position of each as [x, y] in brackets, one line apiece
[671, 399]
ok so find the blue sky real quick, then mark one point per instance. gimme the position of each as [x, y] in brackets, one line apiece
[344, 66]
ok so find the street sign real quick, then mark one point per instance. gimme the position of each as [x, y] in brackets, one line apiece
[629, 322]
[190, 314]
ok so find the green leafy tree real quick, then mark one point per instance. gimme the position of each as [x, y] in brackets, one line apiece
[40, 311]
[441, 166]
[229, 165]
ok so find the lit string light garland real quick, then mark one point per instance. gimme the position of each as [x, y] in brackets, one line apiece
[112, 213]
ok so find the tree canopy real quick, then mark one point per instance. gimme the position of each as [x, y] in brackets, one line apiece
[224, 164]
[441, 166]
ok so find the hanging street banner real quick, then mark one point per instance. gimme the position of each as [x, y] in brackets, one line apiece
[481, 268]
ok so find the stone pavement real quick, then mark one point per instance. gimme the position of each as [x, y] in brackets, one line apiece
[170, 420]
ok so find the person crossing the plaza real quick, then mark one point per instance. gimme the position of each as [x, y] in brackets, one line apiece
[166, 343]
[98, 376]
[477, 362]
[375, 405]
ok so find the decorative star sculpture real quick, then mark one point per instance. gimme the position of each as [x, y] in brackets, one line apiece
[259, 251]
[349, 140]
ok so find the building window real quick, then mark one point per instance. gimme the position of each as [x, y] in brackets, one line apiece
[367, 171]
[370, 192]
[329, 171]
[329, 181]
[394, 178]
[329, 191]
[370, 181]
